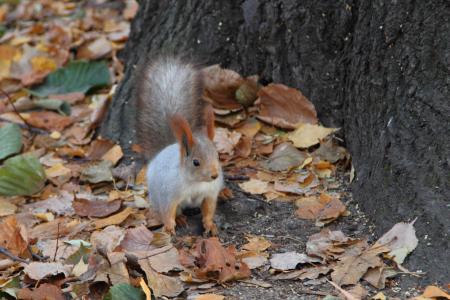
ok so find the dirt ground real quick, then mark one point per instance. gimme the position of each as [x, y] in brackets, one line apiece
[247, 214]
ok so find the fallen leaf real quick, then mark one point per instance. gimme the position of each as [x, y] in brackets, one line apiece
[343, 292]
[226, 140]
[284, 158]
[255, 186]
[45, 291]
[220, 87]
[113, 155]
[250, 128]
[307, 135]
[255, 260]
[49, 120]
[77, 76]
[97, 172]
[95, 49]
[113, 269]
[123, 291]
[6, 207]
[114, 219]
[432, 291]
[11, 138]
[350, 269]
[218, 263]
[60, 204]
[327, 244]
[40, 270]
[290, 260]
[330, 152]
[13, 236]
[166, 261]
[87, 208]
[57, 170]
[377, 276]
[21, 175]
[284, 107]
[256, 243]
[160, 284]
[107, 239]
[401, 240]
[324, 208]
[48, 248]
[60, 227]
[379, 296]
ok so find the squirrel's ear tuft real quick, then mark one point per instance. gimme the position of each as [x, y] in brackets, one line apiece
[209, 120]
[183, 133]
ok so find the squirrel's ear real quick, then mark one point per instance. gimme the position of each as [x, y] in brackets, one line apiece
[183, 133]
[209, 120]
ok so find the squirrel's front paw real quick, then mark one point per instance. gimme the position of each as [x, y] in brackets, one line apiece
[210, 228]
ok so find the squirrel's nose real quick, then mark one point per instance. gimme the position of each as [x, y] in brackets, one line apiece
[214, 176]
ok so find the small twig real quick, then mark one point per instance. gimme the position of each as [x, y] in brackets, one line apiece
[15, 109]
[8, 254]
[57, 242]
[36, 256]
[237, 177]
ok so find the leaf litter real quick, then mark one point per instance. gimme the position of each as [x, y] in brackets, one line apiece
[73, 219]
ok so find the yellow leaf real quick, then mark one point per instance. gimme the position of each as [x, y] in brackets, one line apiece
[57, 170]
[307, 135]
[113, 155]
[43, 64]
[114, 219]
[47, 217]
[434, 292]
[6, 207]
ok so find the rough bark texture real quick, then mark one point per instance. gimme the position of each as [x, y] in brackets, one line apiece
[378, 69]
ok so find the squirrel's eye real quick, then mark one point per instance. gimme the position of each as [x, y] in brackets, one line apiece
[196, 162]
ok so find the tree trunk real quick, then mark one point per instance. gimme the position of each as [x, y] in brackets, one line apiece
[377, 69]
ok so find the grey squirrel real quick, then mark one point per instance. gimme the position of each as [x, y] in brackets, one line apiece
[176, 132]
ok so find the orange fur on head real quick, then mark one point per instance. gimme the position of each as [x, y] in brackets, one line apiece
[183, 133]
[209, 120]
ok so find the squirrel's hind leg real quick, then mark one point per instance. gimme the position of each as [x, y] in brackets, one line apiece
[169, 216]
[208, 210]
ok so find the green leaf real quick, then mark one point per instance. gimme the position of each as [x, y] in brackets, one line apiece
[21, 175]
[11, 140]
[124, 291]
[54, 104]
[77, 76]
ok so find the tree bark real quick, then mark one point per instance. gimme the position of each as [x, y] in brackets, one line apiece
[377, 69]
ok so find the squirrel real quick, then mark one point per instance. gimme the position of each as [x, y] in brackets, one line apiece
[176, 132]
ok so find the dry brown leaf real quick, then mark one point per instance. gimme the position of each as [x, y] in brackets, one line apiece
[49, 120]
[250, 128]
[307, 135]
[284, 107]
[324, 208]
[220, 87]
[45, 291]
[40, 270]
[6, 207]
[98, 148]
[254, 259]
[160, 284]
[290, 260]
[331, 152]
[284, 158]
[114, 269]
[57, 170]
[60, 227]
[113, 155]
[218, 263]
[244, 147]
[166, 261]
[114, 219]
[95, 49]
[350, 269]
[60, 204]
[377, 276]
[327, 244]
[256, 243]
[107, 239]
[255, 186]
[226, 140]
[100, 209]
[13, 236]
[432, 291]
[48, 248]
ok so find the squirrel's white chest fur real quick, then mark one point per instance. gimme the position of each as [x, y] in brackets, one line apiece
[167, 182]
